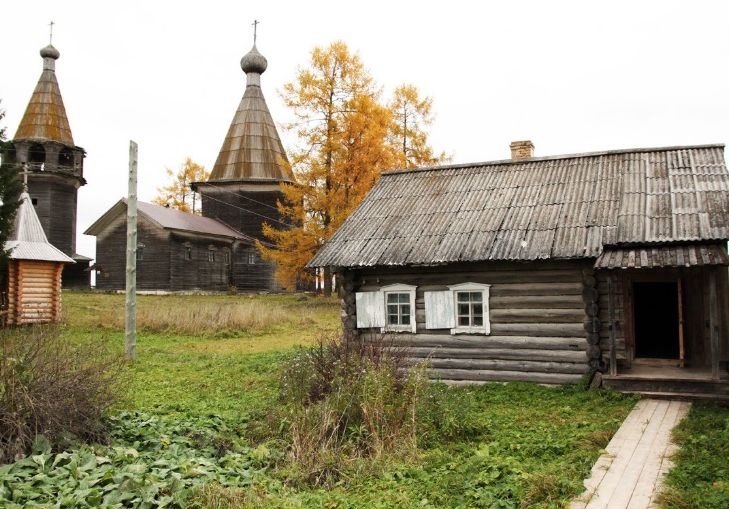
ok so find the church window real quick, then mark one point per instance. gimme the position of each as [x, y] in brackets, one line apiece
[65, 158]
[140, 251]
[37, 154]
[251, 258]
[226, 256]
[188, 252]
[211, 255]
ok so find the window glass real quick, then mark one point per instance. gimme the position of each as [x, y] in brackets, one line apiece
[211, 255]
[398, 309]
[470, 309]
[188, 253]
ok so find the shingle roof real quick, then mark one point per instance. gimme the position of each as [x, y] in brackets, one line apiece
[551, 207]
[45, 117]
[28, 240]
[252, 149]
[167, 218]
[649, 257]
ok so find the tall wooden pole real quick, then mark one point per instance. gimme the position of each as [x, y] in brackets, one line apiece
[130, 347]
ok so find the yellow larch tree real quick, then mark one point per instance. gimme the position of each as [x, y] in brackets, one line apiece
[178, 194]
[412, 115]
[343, 132]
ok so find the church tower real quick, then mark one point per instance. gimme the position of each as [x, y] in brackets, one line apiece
[44, 150]
[245, 183]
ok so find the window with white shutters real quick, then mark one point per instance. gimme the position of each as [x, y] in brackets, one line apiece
[391, 308]
[463, 308]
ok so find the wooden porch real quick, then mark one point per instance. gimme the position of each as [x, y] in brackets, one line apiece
[670, 381]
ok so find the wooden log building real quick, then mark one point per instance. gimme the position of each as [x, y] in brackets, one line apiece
[33, 279]
[176, 251]
[43, 149]
[238, 198]
[546, 269]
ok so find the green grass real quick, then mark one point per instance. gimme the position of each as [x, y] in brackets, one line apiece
[530, 446]
[700, 477]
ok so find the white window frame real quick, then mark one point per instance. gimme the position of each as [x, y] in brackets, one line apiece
[398, 289]
[471, 287]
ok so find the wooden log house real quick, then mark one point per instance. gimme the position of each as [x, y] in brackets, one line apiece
[547, 269]
[34, 271]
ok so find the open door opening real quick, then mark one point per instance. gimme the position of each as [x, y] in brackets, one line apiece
[656, 308]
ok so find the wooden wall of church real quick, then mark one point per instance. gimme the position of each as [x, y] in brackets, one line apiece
[245, 211]
[153, 258]
[199, 263]
[251, 273]
[54, 199]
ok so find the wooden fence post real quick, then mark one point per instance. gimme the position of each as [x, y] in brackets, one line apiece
[130, 346]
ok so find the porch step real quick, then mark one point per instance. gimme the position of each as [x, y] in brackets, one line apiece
[697, 388]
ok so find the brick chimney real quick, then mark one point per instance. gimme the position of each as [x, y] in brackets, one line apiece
[521, 150]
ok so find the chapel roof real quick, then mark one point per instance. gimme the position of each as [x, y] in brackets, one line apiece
[556, 207]
[28, 240]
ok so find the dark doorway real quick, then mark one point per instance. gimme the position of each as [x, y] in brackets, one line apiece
[656, 320]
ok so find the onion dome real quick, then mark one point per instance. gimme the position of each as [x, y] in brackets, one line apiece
[50, 52]
[253, 62]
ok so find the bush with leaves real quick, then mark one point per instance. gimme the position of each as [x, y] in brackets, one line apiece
[51, 387]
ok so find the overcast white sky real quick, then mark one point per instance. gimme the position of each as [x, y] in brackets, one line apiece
[572, 76]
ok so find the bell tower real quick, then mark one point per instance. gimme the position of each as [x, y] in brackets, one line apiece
[45, 153]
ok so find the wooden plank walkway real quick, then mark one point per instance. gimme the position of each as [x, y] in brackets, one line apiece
[630, 472]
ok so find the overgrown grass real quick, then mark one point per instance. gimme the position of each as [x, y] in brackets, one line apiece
[700, 477]
[497, 446]
[200, 315]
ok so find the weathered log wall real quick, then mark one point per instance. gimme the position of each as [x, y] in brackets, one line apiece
[153, 270]
[539, 323]
[259, 275]
[54, 198]
[197, 271]
[34, 292]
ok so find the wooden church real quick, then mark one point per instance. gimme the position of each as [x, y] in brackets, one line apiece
[179, 251]
[44, 150]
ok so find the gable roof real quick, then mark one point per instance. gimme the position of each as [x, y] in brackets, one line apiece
[551, 207]
[28, 240]
[167, 218]
[45, 117]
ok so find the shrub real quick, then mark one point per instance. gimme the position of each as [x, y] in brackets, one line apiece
[344, 401]
[51, 387]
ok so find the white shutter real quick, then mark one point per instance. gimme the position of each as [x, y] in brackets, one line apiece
[370, 309]
[439, 312]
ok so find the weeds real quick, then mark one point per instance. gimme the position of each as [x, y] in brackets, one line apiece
[700, 477]
[345, 401]
[51, 387]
